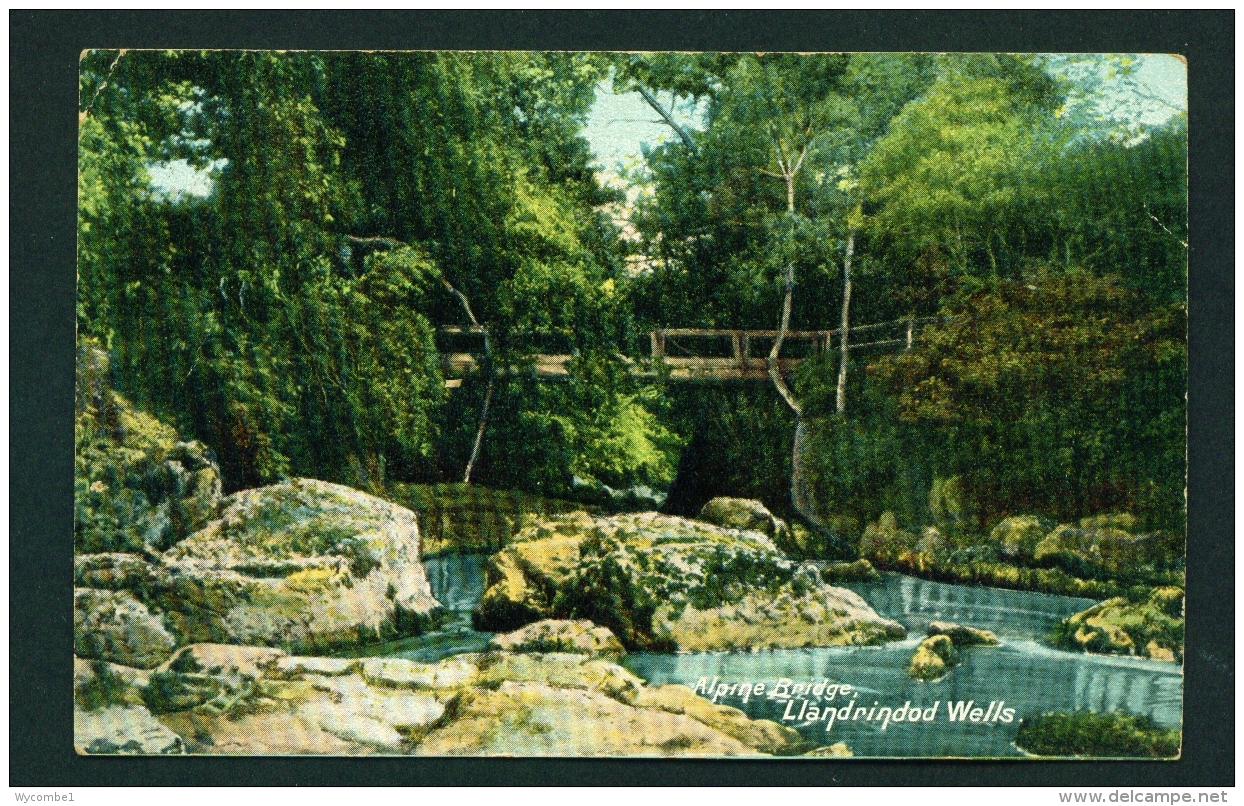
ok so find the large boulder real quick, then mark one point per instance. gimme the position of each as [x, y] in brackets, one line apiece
[1101, 545]
[259, 702]
[962, 635]
[763, 734]
[658, 581]
[114, 626]
[116, 571]
[98, 684]
[561, 635]
[1153, 628]
[933, 658]
[535, 719]
[137, 485]
[745, 513]
[124, 730]
[305, 565]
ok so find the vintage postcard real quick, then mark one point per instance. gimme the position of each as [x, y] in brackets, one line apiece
[631, 404]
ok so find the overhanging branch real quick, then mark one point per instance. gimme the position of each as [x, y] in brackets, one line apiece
[683, 134]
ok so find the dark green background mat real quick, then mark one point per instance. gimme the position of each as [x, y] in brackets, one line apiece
[44, 49]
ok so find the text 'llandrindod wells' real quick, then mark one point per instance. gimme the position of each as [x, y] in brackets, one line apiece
[824, 701]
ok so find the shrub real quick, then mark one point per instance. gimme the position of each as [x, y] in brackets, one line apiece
[1114, 735]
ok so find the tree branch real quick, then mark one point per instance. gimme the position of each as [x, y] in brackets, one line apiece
[487, 367]
[377, 240]
[807, 149]
[82, 116]
[844, 339]
[466, 306]
[683, 134]
[1163, 226]
[781, 160]
[775, 373]
[393, 243]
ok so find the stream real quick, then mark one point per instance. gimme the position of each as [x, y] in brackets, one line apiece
[1022, 673]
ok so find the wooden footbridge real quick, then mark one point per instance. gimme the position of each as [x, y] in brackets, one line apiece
[704, 355]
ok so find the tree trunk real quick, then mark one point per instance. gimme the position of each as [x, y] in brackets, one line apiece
[843, 337]
[489, 373]
[775, 373]
[483, 423]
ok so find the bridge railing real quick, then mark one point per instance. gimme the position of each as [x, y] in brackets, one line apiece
[713, 354]
[672, 342]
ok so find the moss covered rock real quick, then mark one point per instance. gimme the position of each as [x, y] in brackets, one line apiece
[762, 734]
[745, 513]
[116, 571]
[98, 684]
[535, 719]
[1153, 628]
[933, 658]
[1124, 521]
[402, 673]
[562, 669]
[1017, 537]
[305, 565]
[1089, 735]
[859, 571]
[962, 636]
[507, 703]
[885, 538]
[664, 582]
[136, 483]
[114, 626]
[561, 635]
[123, 730]
[1103, 548]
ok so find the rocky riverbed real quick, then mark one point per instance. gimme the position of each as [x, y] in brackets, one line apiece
[663, 582]
[242, 700]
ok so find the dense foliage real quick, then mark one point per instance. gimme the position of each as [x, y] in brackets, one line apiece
[1050, 241]
[285, 316]
[352, 203]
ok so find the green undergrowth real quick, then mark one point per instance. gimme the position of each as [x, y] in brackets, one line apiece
[1013, 577]
[1114, 735]
[473, 519]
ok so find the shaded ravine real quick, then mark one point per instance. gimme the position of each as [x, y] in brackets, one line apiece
[457, 582]
[1028, 675]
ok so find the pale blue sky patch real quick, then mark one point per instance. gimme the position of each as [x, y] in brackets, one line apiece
[1167, 77]
[177, 179]
[620, 125]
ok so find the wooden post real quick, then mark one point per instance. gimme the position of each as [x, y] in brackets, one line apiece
[911, 325]
[658, 344]
[736, 343]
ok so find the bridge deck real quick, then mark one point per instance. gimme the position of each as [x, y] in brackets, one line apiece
[671, 368]
[741, 365]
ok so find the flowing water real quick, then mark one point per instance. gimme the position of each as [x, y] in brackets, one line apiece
[1022, 673]
[458, 584]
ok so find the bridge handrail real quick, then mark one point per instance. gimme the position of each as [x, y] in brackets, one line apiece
[795, 334]
[707, 332]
